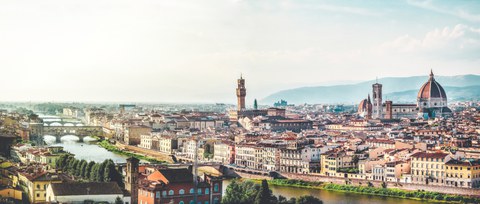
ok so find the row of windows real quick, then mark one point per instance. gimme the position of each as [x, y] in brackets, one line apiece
[180, 192]
[427, 166]
[428, 159]
[461, 168]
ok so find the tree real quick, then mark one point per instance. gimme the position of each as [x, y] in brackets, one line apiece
[240, 192]
[100, 171]
[308, 200]
[208, 153]
[72, 167]
[88, 170]
[81, 168]
[384, 185]
[61, 161]
[118, 200]
[94, 172]
[283, 200]
[265, 195]
[68, 163]
[111, 174]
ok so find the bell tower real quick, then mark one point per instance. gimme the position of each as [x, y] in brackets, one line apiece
[377, 100]
[131, 178]
[241, 93]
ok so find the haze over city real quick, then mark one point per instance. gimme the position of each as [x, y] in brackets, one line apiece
[191, 51]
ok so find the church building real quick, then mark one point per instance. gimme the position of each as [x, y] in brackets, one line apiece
[431, 103]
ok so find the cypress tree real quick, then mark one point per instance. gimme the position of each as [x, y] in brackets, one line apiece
[100, 171]
[265, 195]
[73, 167]
[88, 170]
[81, 169]
[94, 172]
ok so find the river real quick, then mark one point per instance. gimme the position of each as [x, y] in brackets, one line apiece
[334, 197]
[89, 151]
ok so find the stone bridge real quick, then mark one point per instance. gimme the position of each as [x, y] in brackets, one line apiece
[62, 123]
[80, 131]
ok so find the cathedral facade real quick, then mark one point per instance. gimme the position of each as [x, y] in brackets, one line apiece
[431, 103]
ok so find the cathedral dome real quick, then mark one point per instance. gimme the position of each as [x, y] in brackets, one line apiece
[431, 89]
[365, 105]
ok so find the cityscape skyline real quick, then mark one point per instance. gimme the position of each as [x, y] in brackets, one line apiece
[177, 52]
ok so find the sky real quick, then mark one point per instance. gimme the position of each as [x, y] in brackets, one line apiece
[192, 51]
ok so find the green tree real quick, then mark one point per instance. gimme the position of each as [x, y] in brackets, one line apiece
[81, 170]
[88, 170]
[111, 174]
[72, 167]
[241, 192]
[68, 163]
[94, 172]
[208, 153]
[61, 161]
[384, 185]
[308, 200]
[283, 200]
[265, 195]
[100, 171]
[118, 200]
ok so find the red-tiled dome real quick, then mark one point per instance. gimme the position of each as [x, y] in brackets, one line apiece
[365, 105]
[431, 89]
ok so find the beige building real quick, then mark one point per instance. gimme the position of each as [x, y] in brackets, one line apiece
[133, 134]
[429, 168]
[224, 153]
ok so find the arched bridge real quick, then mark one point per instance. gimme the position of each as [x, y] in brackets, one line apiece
[62, 123]
[79, 131]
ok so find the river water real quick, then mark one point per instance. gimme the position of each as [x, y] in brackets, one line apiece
[89, 151]
[333, 197]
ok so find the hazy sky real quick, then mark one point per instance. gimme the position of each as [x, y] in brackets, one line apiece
[193, 51]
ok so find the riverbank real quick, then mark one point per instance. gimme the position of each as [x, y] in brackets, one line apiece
[112, 148]
[385, 192]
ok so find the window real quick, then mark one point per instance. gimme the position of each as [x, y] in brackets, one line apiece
[199, 191]
[191, 202]
[38, 195]
[192, 191]
[207, 191]
[38, 187]
[215, 188]
[157, 194]
[164, 193]
[170, 192]
[181, 192]
[181, 202]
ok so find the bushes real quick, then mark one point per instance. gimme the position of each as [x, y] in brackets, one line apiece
[295, 183]
[401, 193]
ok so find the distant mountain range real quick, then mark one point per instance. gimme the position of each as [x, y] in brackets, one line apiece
[397, 89]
